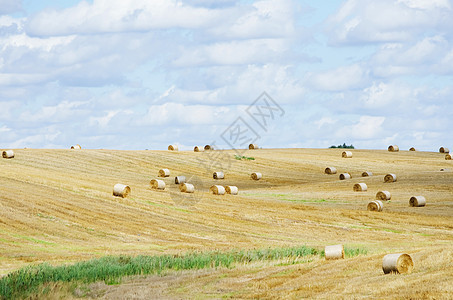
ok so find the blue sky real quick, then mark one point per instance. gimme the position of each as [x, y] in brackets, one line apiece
[134, 74]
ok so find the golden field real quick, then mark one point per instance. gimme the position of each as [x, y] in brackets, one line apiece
[57, 206]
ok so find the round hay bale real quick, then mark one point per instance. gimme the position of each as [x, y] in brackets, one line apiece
[8, 154]
[231, 189]
[121, 190]
[444, 150]
[330, 170]
[76, 147]
[390, 178]
[334, 252]
[367, 174]
[448, 156]
[164, 173]
[173, 148]
[383, 195]
[180, 179]
[256, 175]
[360, 187]
[375, 205]
[208, 147]
[186, 188]
[399, 263]
[393, 148]
[253, 146]
[412, 149]
[344, 176]
[157, 184]
[346, 154]
[217, 190]
[417, 201]
[218, 175]
[198, 149]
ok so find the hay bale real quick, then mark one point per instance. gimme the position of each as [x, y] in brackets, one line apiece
[217, 190]
[375, 205]
[417, 201]
[346, 154]
[256, 176]
[173, 148]
[360, 187]
[164, 173]
[76, 147]
[383, 195]
[198, 149]
[8, 154]
[367, 174]
[180, 179]
[334, 252]
[208, 147]
[344, 176]
[393, 148]
[399, 263]
[157, 184]
[218, 175]
[330, 170]
[444, 150]
[186, 188]
[390, 178]
[253, 146]
[121, 190]
[448, 156]
[231, 189]
[412, 149]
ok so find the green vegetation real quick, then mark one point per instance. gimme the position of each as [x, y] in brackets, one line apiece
[290, 197]
[111, 269]
[344, 146]
[350, 252]
[238, 157]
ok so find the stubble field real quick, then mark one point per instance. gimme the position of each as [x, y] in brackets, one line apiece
[57, 206]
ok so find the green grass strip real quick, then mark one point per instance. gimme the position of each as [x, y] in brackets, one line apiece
[111, 269]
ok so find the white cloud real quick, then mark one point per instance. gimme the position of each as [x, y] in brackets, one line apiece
[176, 114]
[109, 16]
[342, 78]
[367, 127]
[10, 6]
[427, 4]
[264, 19]
[387, 20]
[180, 71]
[428, 55]
[60, 112]
[234, 53]
[104, 120]
[325, 121]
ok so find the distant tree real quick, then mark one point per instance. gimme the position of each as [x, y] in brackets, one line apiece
[344, 146]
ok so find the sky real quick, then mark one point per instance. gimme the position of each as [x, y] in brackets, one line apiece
[136, 74]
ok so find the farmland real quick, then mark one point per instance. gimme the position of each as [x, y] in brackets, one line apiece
[56, 206]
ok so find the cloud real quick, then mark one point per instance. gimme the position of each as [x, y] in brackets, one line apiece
[10, 6]
[342, 78]
[238, 85]
[169, 71]
[255, 51]
[386, 21]
[116, 16]
[430, 55]
[263, 19]
[176, 114]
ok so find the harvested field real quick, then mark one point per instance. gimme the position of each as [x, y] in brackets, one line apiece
[61, 210]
